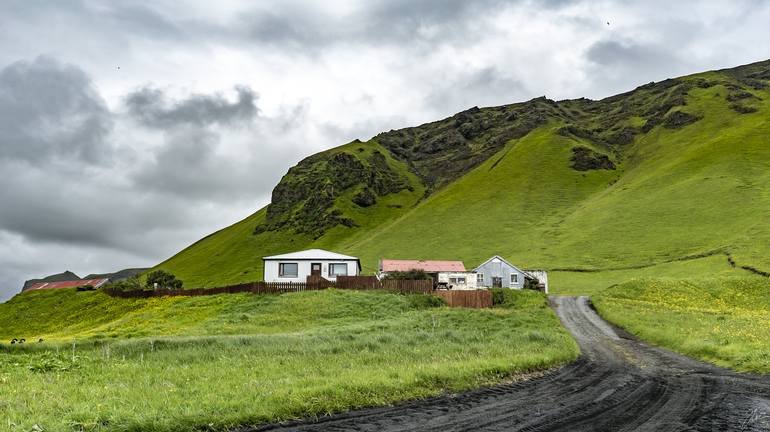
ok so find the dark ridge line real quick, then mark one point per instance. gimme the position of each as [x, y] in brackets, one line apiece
[730, 261]
[641, 266]
[502, 157]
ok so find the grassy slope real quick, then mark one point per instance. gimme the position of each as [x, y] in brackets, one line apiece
[234, 254]
[680, 193]
[295, 355]
[720, 320]
[677, 193]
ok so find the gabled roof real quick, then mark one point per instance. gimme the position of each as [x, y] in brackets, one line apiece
[390, 265]
[311, 254]
[96, 283]
[526, 274]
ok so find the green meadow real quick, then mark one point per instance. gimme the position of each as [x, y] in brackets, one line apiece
[724, 320]
[213, 363]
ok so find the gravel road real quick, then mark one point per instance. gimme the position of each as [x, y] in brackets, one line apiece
[618, 384]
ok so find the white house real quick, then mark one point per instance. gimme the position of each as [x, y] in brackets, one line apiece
[297, 266]
[496, 272]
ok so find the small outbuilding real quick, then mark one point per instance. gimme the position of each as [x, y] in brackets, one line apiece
[496, 272]
[441, 271]
[297, 266]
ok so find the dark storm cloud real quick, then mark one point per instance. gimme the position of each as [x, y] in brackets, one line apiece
[307, 28]
[628, 55]
[487, 86]
[622, 65]
[72, 181]
[49, 110]
[153, 108]
[187, 165]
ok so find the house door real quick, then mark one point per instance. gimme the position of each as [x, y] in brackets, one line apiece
[315, 269]
[497, 282]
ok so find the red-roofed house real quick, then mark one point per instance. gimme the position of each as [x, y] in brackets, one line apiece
[96, 283]
[450, 274]
[391, 265]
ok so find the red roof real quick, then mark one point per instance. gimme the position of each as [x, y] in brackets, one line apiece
[389, 265]
[96, 283]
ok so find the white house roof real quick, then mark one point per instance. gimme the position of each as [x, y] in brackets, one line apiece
[312, 254]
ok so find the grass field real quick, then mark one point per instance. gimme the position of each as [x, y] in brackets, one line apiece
[725, 321]
[221, 361]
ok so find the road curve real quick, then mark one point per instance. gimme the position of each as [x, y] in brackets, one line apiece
[618, 384]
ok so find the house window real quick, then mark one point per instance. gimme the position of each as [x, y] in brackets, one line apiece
[514, 278]
[452, 280]
[338, 270]
[461, 280]
[480, 278]
[288, 270]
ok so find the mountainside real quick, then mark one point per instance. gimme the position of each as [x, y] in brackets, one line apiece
[672, 177]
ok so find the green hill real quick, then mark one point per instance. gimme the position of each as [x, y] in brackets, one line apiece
[672, 178]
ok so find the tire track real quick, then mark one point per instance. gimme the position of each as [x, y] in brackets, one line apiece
[618, 384]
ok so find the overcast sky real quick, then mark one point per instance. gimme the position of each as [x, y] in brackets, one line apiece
[128, 130]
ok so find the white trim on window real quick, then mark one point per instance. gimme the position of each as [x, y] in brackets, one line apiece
[514, 278]
[285, 272]
[480, 278]
[334, 272]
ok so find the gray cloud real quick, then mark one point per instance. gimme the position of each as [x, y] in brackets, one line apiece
[307, 27]
[154, 109]
[98, 175]
[484, 87]
[50, 110]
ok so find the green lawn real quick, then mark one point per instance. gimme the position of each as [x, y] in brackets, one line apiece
[216, 362]
[725, 321]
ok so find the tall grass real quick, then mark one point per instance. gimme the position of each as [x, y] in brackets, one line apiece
[316, 353]
[725, 321]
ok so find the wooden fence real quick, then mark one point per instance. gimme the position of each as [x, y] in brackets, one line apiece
[358, 282]
[469, 299]
[314, 283]
[371, 282]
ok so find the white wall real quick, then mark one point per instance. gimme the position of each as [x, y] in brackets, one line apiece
[470, 280]
[303, 267]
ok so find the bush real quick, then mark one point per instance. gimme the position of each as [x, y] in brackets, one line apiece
[533, 284]
[130, 284]
[163, 279]
[513, 298]
[409, 275]
[498, 296]
[425, 301]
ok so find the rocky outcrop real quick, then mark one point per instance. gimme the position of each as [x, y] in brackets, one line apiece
[585, 159]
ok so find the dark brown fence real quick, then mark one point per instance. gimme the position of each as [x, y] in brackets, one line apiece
[314, 283]
[469, 299]
[371, 282]
[408, 286]
[358, 282]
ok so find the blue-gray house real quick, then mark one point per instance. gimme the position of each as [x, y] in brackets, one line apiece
[496, 272]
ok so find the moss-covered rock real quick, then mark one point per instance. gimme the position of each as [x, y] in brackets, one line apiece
[585, 159]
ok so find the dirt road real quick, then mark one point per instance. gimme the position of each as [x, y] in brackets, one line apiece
[618, 384]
